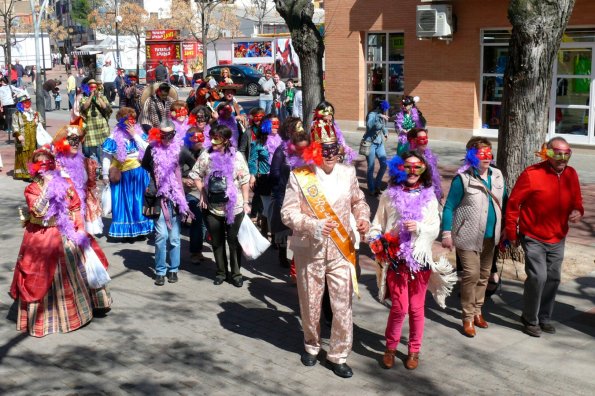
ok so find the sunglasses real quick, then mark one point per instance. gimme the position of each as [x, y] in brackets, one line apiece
[414, 168]
[559, 155]
[484, 154]
[74, 140]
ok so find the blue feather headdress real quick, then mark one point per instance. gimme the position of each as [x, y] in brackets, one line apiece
[266, 127]
[471, 160]
[86, 90]
[384, 105]
[396, 170]
[122, 123]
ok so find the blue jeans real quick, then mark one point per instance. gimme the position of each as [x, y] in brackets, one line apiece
[198, 230]
[71, 96]
[266, 105]
[376, 151]
[167, 241]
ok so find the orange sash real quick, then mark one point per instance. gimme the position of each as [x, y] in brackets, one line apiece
[322, 209]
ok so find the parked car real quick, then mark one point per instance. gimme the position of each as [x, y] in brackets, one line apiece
[240, 74]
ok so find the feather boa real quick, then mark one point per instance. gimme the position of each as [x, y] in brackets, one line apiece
[121, 136]
[232, 124]
[406, 121]
[181, 130]
[207, 143]
[56, 194]
[350, 154]
[74, 167]
[167, 175]
[432, 160]
[273, 141]
[224, 163]
[471, 161]
[410, 204]
[294, 161]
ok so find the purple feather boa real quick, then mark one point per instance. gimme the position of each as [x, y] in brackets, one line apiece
[294, 161]
[74, 166]
[121, 136]
[167, 175]
[350, 154]
[181, 130]
[409, 205]
[432, 160]
[401, 118]
[224, 162]
[56, 194]
[232, 124]
[273, 141]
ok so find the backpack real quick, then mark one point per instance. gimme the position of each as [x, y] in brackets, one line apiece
[217, 188]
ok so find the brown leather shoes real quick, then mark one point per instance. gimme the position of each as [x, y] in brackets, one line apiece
[480, 322]
[412, 361]
[389, 358]
[468, 328]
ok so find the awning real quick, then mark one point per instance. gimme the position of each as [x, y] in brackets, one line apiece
[86, 52]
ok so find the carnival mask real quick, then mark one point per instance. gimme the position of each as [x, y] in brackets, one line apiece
[422, 140]
[73, 140]
[559, 155]
[217, 141]
[485, 154]
[197, 137]
[45, 165]
[225, 111]
[414, 168]
[182, 112]
[131, 120]
[330, 150]
[167, 136]
[27, 105]
[92, 87]
[258, 117]
[275, 122]
[200, 117]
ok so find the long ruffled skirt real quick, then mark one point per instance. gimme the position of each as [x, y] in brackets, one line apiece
[128, 220]
[21, 159]
[69, 302]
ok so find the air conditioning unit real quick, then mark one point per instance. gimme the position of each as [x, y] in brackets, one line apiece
[434, 21]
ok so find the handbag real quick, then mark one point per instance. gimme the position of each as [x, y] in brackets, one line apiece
[151, 203]
[364, 147]
[115, 174]
[217, 189]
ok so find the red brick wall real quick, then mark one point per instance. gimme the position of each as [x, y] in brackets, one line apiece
[445, 75]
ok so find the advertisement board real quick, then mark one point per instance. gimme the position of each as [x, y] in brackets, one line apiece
[163, 35]
[162, 51]
[287, 63]
[251, 52]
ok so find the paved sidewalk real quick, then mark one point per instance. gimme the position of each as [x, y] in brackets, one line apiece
[196, 338]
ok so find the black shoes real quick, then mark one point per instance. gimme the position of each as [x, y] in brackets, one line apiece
[341, 369]
[547, 328]
[238, 282]
[532, 330]
[218, 281]
[160, 280]
[172, 277]
[308, 359]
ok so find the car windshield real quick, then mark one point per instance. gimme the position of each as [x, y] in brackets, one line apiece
[250, 71]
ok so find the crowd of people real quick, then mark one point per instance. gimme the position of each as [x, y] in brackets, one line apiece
[208, 163]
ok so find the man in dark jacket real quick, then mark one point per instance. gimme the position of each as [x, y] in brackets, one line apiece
[48, 88]
[161, 72]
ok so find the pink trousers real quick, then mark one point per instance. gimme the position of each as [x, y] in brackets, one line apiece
[407, 296]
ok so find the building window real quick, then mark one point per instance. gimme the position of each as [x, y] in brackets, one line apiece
[494, 56]
[385, 58]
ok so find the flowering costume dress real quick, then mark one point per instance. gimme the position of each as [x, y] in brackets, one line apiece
[24, 123]
[50, 279]
[125, 152]
[405, 121]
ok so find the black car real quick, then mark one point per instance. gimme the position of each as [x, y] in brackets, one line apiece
[245, 75]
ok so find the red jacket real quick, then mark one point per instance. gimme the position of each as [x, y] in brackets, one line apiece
[541, 202]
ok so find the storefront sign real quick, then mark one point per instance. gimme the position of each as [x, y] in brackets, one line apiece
[163, 35]
[163, 51]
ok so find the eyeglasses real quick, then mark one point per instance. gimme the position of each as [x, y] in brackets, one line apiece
[414, 168]
[559, 155]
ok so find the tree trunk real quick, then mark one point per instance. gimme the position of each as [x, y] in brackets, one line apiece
[537, 28]
[309, 46]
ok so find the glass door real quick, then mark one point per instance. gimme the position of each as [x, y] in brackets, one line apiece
[572, 95]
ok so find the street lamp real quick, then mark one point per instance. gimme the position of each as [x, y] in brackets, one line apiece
[118, 19]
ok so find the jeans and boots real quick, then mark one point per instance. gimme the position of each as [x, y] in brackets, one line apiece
[377, 150]
[167, 243]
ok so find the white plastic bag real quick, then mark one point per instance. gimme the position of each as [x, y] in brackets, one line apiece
[106, 200]
[253, 244]
[42, 136]
[97, 276]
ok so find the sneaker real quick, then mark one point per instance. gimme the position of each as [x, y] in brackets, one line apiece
[159, 280]
[547, 328]
[528, 328]
[172, 277]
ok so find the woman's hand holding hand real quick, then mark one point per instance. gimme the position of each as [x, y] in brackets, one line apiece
[328, 227]
[410, 225]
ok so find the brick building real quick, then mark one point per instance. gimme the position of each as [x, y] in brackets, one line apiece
[373, 49]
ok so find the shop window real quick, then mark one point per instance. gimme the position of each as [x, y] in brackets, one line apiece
[494, 56]
[385, 58]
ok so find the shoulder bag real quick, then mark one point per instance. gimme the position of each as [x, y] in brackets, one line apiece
[151, 203]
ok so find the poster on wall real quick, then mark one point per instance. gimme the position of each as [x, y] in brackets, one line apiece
[261, 67]
[163, 51]
[287, 63]
[249, 52]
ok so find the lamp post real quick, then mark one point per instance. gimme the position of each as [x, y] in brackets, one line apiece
[118, 19]
[37, 17]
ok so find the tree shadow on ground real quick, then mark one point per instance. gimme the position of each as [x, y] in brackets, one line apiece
[137, 260]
